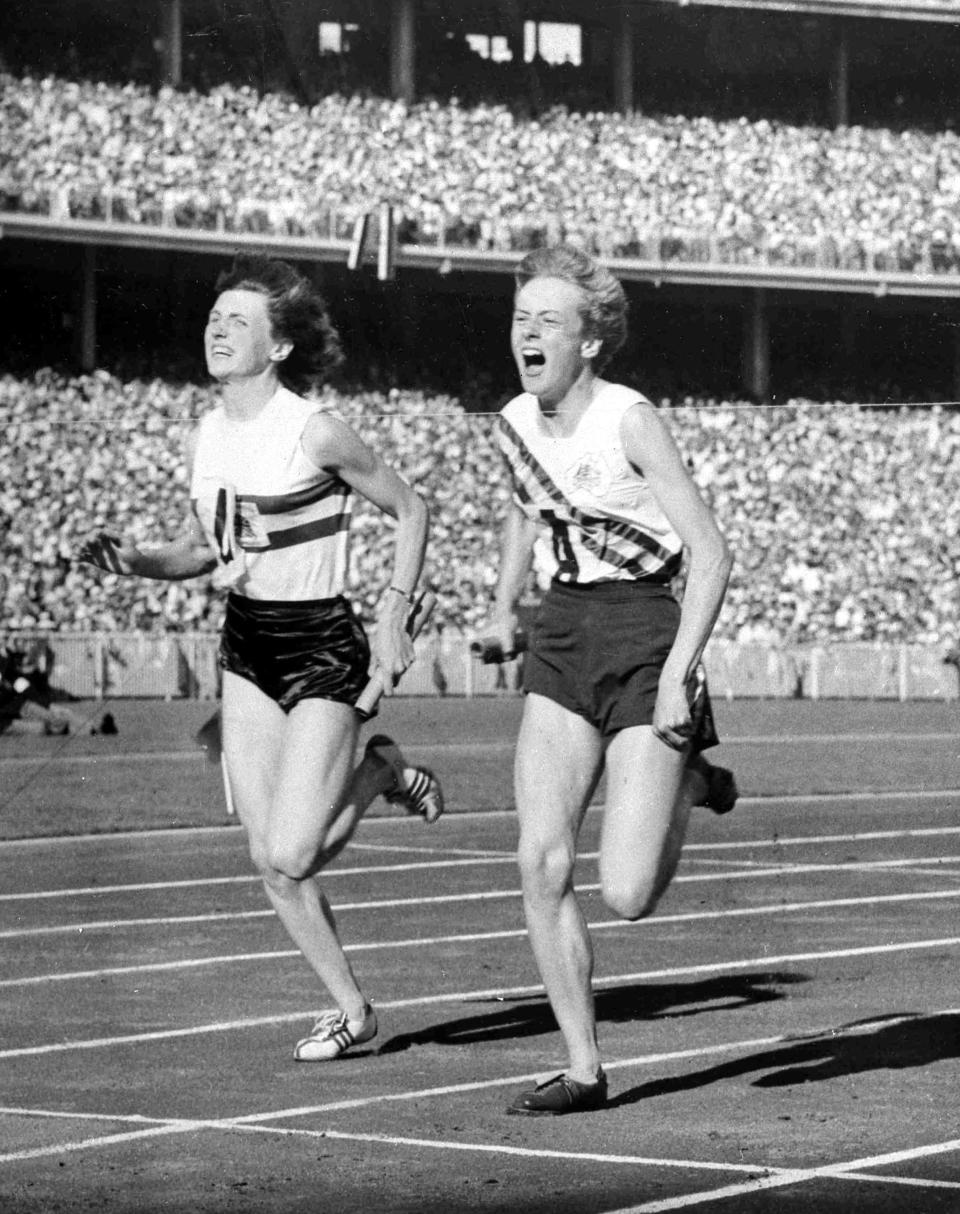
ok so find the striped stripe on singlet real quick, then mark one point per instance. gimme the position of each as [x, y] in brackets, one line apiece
[588, 545]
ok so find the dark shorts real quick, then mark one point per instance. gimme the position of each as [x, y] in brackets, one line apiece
[598, 650]
[296, 651]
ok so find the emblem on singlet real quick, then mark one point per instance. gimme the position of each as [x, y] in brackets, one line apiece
[251, 533]
[590, 474]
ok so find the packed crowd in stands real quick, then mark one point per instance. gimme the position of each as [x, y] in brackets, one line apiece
[483, 177]
[844, 521]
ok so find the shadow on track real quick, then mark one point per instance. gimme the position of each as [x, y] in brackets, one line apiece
[531, 1016]
[895, 1042]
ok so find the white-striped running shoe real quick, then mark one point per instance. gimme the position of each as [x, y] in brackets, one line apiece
[334, 1033]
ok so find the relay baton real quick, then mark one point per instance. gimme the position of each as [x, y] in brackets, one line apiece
[491, 652]
[366, 705]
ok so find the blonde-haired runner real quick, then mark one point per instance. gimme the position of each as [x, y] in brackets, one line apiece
[612, 674]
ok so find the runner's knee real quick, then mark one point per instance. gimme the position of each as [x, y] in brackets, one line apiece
[631, 893]
[290, 861]
[289, 857]
[546, 867]
[630, 905]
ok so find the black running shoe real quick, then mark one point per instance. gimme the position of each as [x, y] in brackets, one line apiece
[722, 791]
[561, 1095]
[417, 789]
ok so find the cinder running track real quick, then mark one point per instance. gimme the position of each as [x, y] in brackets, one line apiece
[783, 1035]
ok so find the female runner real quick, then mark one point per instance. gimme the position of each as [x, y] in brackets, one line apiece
[612, 676]
[272, 478]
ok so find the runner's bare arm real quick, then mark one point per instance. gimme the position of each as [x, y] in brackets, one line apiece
[650, 447]
[516, 555]
[332, 444]
[186, 556]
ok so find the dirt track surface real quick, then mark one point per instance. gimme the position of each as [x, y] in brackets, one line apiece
[153, 773]
[782, 1035]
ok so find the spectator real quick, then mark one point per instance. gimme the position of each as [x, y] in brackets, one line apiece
[844, 519]
[668, 187]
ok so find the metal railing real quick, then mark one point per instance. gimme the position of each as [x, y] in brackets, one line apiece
[184, 666]
[661, 242]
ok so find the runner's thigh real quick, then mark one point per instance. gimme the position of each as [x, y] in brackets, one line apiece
[253, 727]
[314, 770]
[558, 761]
[643, 812]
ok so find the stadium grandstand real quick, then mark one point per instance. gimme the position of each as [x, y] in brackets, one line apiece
[777, 183]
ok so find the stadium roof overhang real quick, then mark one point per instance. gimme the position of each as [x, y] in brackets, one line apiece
[898, 10]
[482, 13]
[449, 260]
[498, 14]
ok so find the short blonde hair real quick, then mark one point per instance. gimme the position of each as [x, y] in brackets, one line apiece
[605, 301]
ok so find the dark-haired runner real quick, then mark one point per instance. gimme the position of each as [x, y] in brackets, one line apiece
[272, 476]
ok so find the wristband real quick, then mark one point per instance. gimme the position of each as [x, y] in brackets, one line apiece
[404, 594]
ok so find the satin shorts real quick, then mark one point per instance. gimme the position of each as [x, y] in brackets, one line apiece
[295, 651]
[598, 649]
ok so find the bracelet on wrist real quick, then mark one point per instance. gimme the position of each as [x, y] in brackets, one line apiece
[404, 594]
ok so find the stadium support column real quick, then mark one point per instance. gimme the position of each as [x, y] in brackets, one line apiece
[403, 20]
[756, 346]
[171, 42]
[840, 78]
[956, 376]
[511, 17]
[86, 352]
[623, 60]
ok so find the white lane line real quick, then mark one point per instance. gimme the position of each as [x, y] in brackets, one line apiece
[457, 1089]
[129, 836]
[786, 870]
[179, 1125]
[75, 1115]
[497, 994]
[865, 836]
[774, 841]
[831, 798]
[717, 862]
[914, 1182]
[195, 882]
[907, 866]
[134, 756]
[84, 891]
[756, 1170]
[489, 895]
[760, 739]
[79, 929]
[777, 908]
[403, 849]
[931, 872]
[103, 838]
[167, 1128]
[483, 860]
[502, 1149]
[248, 1127]
[491, 746]
[774, 908]
[790, 1178]
[156, 967]
[106, 1140]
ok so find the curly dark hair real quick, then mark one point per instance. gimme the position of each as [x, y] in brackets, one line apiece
[298, 314]
[605, 302]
